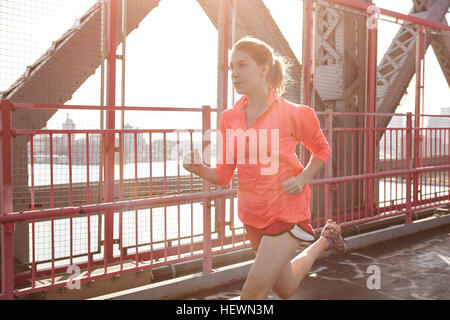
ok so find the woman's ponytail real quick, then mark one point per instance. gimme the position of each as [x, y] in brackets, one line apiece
[276, 75]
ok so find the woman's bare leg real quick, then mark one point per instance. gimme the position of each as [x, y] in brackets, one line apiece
[274, 269]
[294, 271]
[273, 254]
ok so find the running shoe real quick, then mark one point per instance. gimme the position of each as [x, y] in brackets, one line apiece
[332, 231]
[304, 232]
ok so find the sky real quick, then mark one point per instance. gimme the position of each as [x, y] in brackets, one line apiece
[172, 58]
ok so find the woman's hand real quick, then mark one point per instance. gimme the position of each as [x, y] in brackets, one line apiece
[294, 185]
[192, 161]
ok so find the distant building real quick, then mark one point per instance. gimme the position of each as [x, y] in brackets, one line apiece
[397, 122]
[436, 138]
[129, 146]
[392, 144]
[161, 149]
[68, 124]
[444, 122]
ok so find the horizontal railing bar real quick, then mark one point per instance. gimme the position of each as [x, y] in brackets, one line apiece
[111, 206]
[16, 132]
[412, 19]
[379, 175]
[21, 106]
[23, 277]
[98, 131]
[60, 284]
[158, 253]
[175, 199]
[385, 129]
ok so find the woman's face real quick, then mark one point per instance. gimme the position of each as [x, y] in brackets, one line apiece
[246, 74]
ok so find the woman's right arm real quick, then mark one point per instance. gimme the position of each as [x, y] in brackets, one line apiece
[223, 173]
[192, 162]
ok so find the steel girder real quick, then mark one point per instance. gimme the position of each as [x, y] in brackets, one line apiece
[59, 72]
[398, 64]
[53, 79]
[441, 46]
[340, 58]
[254, 19]
[75, 57]
[340, 70]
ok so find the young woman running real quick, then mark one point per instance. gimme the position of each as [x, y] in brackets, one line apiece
[273, 190]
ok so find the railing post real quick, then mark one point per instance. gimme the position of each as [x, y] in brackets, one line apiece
[206, 154]
[6, 205]
[329, 165]
[418, 113]
[308, 62]
[224, 45]
[222, 103]
[370, 120]
[109, 146]
[409, 146]
[307, 31]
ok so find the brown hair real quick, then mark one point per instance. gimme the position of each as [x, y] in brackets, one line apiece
[262, 53]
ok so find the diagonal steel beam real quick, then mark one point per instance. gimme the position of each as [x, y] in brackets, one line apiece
[440, 41]
[52, 79]
[254, 19]
[57, 74]
[398, 64]
[70, 61]
[441, 45]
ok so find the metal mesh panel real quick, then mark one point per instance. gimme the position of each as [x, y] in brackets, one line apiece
[435, 132]
[339, 67]
[397, 91]
[28, 29]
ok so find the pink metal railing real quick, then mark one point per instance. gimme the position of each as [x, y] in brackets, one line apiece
[227, 235]
[166, 251]
[352, 197]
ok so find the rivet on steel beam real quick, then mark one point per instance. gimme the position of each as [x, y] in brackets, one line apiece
[28, 71]
[77, 24]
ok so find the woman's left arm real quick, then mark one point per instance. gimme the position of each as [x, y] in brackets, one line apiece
[295, 184]
[309, 133]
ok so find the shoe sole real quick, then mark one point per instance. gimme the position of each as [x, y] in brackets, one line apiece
[301, 234]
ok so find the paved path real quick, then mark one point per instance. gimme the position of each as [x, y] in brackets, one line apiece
[414, 267]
